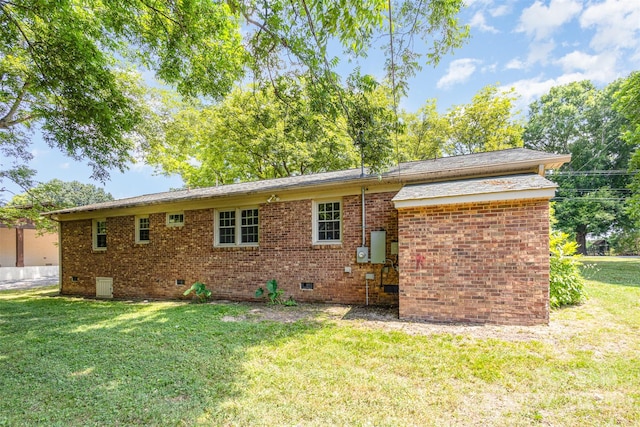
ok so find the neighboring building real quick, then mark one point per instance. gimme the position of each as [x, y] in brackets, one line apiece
[599, 247]
[24, 246]
[462, 238]
[26, 253]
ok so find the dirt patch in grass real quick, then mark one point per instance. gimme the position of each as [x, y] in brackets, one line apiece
[386, 318]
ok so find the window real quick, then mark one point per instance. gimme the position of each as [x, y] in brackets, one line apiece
[100, 234]
[227, 227]
[327, 223]
[175, 219]
[249, 226]
[142, 229]
[237, 227]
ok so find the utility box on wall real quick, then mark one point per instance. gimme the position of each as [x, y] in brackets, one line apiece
[362, 255]
[378, 247]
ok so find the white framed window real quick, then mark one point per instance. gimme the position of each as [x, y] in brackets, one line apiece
[142, 229]
[327, 222]
[175, 219]
[100, 234]
[236, 227]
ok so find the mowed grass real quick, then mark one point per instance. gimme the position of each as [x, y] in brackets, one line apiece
[67, 361]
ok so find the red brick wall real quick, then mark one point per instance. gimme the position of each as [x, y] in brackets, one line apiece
[285, 253]
[478, 262]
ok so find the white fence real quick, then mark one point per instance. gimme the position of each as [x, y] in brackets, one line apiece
[35, 272]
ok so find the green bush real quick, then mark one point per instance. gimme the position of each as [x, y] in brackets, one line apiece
[565, 283]
[275, 294]
[200, 290]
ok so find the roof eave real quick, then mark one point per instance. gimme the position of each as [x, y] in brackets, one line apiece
[530, 165]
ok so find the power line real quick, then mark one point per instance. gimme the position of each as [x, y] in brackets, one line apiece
[589, 190]
[595, 172]
[594, 199]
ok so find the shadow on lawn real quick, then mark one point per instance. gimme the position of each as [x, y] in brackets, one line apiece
[72, 361]
[624, 273]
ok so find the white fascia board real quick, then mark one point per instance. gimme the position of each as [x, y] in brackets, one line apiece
[538, 193]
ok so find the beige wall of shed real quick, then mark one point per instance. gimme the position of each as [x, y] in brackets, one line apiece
[7, 247]
[38, 249]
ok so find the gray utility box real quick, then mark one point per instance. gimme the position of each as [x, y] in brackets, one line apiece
[378, 247]
[362, 255]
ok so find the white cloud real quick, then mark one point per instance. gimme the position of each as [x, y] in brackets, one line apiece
[65, 165]
[39, 153]
[480, 23]
[491, 68]
[616, 23]
[459, 72]
[469, 3]
[598, 68]
[500, 11]
[541, 21]
[531, 89]
[577, 60]
[540, 52]
[515, 64]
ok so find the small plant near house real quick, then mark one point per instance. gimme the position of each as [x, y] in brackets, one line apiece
[274, 294]
[565, 281]
[200, 290]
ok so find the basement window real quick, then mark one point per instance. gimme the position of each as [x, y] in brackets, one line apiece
[175, 219]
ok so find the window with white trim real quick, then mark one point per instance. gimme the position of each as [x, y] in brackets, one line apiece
[100, 234]
[237, 227]
[327, 223]
[175, 219]
[142, 229]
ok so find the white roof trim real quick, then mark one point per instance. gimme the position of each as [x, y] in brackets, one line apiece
[543, 193]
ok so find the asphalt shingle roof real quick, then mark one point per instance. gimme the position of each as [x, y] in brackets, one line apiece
[509, 161]
[469, 187]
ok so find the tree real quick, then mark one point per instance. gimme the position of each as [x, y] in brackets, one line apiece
[52, 195]
[370, 121]
[424, 133]
[486, 124]
[65, 66]
[579, 119]
[627, 103]
[260, 132]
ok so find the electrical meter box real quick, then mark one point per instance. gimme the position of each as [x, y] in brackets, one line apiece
[362, 255]
[378, 247]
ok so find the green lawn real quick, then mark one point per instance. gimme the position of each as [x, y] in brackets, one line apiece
[67, 361]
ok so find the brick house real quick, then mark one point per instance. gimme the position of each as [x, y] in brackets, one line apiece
[455, 239]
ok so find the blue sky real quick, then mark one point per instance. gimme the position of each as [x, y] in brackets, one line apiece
[529, 45]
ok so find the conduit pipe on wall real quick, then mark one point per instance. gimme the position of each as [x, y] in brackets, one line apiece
[364, 241]
[364, 224]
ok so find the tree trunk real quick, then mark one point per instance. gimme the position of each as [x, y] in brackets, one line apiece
[581, 239]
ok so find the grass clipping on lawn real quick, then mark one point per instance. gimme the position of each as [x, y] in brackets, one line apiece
[68, 361]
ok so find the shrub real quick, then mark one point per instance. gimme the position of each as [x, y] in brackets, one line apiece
[200, 290]
[566, 285]
[275, 294]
